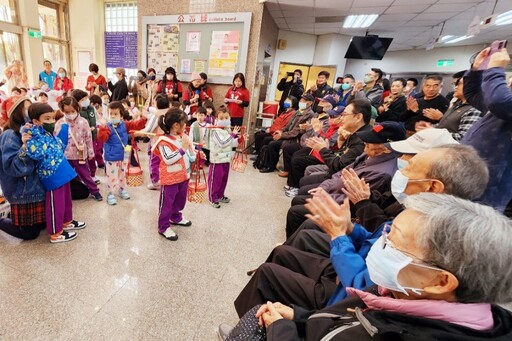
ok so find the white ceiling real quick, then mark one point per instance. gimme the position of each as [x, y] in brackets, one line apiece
[410, 22]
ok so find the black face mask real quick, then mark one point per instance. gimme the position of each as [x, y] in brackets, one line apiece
[152, 78]
[319, 110]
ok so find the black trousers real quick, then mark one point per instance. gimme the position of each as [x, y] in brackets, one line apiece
[293, 277]
[300, 161]
[273, 154]
[22, 232]
[295, 217]
[288, 151]
[260, 138]
[313, 180]
[310, 238]
[237, 121]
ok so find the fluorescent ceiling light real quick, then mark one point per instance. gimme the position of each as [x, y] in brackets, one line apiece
[504, 18]
[456, 40]
[360, 21]
[447, 37]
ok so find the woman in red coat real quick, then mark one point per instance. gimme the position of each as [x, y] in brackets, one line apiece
[237, 99]
[62, 82]
[95, 80]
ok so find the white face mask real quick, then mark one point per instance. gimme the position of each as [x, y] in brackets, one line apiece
[224, 123]
[302, 105]
[71, 117]
[407, 88]
[384, 265]
[398, 186]
[401, 163]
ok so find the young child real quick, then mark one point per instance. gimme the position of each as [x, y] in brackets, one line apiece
[176, 153]
[96, 103]
[221, 141]
[54, 171]
[114, 135]
[43, 98]
[80, 146]
[210, 112]
[198, 129]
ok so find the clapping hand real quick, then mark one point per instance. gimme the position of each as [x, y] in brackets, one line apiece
[334, 219]
[422, 125]
[433, 114]
[412, 104]
[316, 124]
[317, 143]
[355, 189]
[185, 142]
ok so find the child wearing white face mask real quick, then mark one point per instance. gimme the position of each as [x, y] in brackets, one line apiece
[220, 141]
[80, 147]
[114, 135]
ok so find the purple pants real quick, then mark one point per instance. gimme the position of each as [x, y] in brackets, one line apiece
[98, 153]
[217, 181]
[154, 164]
[58, 209]
[85, 175]
[172, 201]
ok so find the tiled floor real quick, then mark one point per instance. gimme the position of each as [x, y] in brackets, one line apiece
[120, 280]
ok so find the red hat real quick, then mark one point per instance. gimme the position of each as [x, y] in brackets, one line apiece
[12, 103]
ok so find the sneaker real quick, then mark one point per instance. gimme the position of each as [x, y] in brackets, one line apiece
[287, 187]
[74, 225]
[154, 186]
[111, 199]
[101, 166]
[215, 204]
[225, 200]
[64, 237]
[124, 194]
[97, 197]
[223, 331]
[96, 180]
[183, 222]
[292, 192]
[169, 234]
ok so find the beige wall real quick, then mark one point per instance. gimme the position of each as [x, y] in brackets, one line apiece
[32, 47]
[159, 7]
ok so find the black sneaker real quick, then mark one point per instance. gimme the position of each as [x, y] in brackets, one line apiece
[74, 225]
[64, 237]
[97, 197]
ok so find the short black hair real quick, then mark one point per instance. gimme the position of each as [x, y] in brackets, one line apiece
[36, 110]
[162, 101]
[201, 110]
[42, 94]
[324, 73]
[348, 75]
[299, 71]
[95, 99]
[362, 106]
[117, 105]
[203, 76]
[378, 71]
[459, 74]
[16, 89]
[79, 94]
[413, 80]
[93, 68]
[402, 80]
[386, 84]
[434, 77]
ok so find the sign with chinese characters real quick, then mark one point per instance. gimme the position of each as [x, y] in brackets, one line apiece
[121, 49]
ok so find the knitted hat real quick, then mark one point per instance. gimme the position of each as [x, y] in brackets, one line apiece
[13, 102]
[385, 132]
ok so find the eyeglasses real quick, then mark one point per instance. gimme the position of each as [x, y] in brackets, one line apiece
[387, 242]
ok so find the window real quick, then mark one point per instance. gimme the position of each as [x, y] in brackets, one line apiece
[7, 11]
[9, 49]
[121, 17]
[52, 16]
[202, 6]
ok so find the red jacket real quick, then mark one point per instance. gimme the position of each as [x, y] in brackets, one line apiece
[281, 121]
[170, 89]
[189, 94]
[99, 81]
[104, 132]
[67, 84]
[237, 110]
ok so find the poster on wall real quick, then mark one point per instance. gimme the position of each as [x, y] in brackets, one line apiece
[121, 49]
[193, 42]
[199, 66]
[185, 66]
[224, 50]
[163, 46]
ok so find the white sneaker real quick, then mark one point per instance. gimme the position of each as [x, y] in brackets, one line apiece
[96, 180]
[124, 194]
[65, 236]
[169, 234]
[154, 186]
[292, 192]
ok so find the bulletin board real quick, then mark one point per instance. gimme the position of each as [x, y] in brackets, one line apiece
[214, 43]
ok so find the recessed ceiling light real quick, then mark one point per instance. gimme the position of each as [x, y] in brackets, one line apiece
[504, 18]
[445, 38]
[456, 40]
[360, 21]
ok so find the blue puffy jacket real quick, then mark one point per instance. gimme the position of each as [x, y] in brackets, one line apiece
[113, 148]
[348, 257]
[492, 135]
[18, 177]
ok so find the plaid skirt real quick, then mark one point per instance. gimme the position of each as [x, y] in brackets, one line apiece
[28, 214]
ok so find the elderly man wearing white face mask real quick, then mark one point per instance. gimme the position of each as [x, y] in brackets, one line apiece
[441, 268]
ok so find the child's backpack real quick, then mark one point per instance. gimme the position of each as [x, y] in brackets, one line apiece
[260, 160]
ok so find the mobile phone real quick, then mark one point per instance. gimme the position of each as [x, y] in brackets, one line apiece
[496, 46]
[289, 73]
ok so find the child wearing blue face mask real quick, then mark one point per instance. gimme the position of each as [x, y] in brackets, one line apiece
[114, 135]
[220, 141]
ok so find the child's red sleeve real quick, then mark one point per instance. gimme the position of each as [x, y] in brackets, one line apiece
[135, 125]
[104, 134]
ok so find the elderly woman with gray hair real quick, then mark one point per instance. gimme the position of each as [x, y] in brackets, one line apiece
[440, 269]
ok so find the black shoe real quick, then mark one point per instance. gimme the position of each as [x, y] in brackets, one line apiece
[266, 170]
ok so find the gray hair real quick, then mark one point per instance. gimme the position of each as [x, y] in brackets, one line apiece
[463, 173]
[470, 240]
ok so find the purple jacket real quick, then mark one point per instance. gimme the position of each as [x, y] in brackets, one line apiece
[377, 172]
[492, 135]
